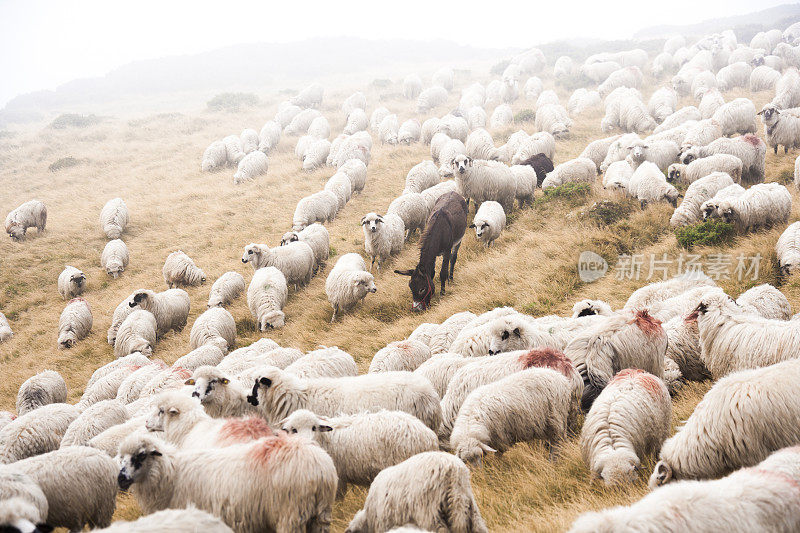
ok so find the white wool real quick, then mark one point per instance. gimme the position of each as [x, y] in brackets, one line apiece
[5, 329]
[286, 112]
[580, 170]
[340, 185]
[763, 204]
[249, 140]
[662, 103]
[431, 98]
[591, 307]
[214, 157]
[412, 86]
[31, 214]
[527, 180]
[114, 258]
[553, 119]
[767, 301]
[698, 168]
[356, 170]
[324, 362]
[648, 184]
[216, 327]
[234, 149]
[383, 236]
[226, 289]
[74, 324]
[348, 283]
[485, 180]
[480, 145]
[44, 388]
[71, 282]
[737, 116]
[254, 164]
[489, 222]
[447, 331]
[206, 355]
[266, 297]
[412, 210]
[179, 269]
[617, 176]
[782, 127]
[300, 122]
[502, 116]
[699, 192]
[270, 136]
[388, 128]
[321, 206]
[137, 333]
[787, 249]
[409, 132]
[528, 146]
[316, 154]
[615, 150]
[421, 176]
[598, 150]
[662, 153]
[680, 116]
[317, 237]
[171, 308]
[114, 218]
[401, 355]
[295, 260]
[709, 104]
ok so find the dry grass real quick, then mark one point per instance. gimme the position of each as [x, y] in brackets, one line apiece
[153, 163]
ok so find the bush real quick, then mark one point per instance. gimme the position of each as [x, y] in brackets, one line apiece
[525, 115]
[64, 162]
[786, 177]
[607, 212]
[232, 102]
[573, 193]
[74, 120]
[709, 232]
[498, 68]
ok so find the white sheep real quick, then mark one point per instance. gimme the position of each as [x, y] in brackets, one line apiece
[423, 332]
[277, 393]
[319, 128]
[627, 423]
[295, 260]
[580, 170]
[409, 132]
[37, 432]
[432, 194]
[617, 176]
[762, 205]
[180, 270]
[480, 145]
[114, 218]
[135, 359]
[598, 150]
[440, 369]
[340, 185]
[476, 117]
[114, 258]
[290, 483]
[761, 498]
[234, 149]
[226, 289]
[31, 214]
[680, 116]
[286, 112]
[266, 297]
[383, 236]
[553, 119]
[170, 521]
[624, 77]
[454, 127]
[648, 184]
[449, 151]
[709, 104]
[447, 331]
[356, 170]
[253, 165]
[71, 282]
[662, 103]
[137, 333]
[130, 388]
[532, 88]
[502, 116]
[250, 140]
[527, 180]
[215, 326]
[782, 127]
[431, 98]
[405, 355]
[201, 356]
[766, 301]
[74, 324]
[171, 308]
[318, 207]
[489, 222]
[699, 192]
[93, 421]
[698, 168]
[301, 121]
[412, 86]
[5, 329]
[764, 78]
[214, 157]
[536, 403]
[44, 388]
[787, 249]
[662, 153]
[316, 154]
[736, 117]
[270, 136]
[220, 395]
[649, 295]
[481, 181]
[710, 208]
[317, 237]
[421, 176]
[787, 91]
[323, 362]
[663, 64]
[740, 421]
[412, 210]
[581, 100]
[430, 489]
[348, 283]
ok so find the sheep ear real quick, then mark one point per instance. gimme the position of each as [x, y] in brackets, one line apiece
[472, 225]
[761, 112]
[517, 333]
[663, 472]
[324, 429]
[486, 448]
[404, 272]
[363, 221]
[174, 411]
[156, 453]
[265, 381]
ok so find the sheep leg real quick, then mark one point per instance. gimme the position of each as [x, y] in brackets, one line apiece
[341, 490]
[443, 271]
[335, 310]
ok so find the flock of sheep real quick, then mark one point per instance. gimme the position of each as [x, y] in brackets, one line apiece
[266, 437]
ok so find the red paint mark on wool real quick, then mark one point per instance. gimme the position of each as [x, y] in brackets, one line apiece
[752, 139]
[263, 450]
[648, 382]
[182, 372]
[80, 300]
[547, 358]
[777, 477]
[244, 430]
[649, 324]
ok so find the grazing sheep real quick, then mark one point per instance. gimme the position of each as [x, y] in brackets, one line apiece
[36, 432]
[71, 282]
[782, 127]
[132, 360]
[630, 339]
[699, 192]
[266, 297]
[74, 324]
[286, 112]
[617, 176]
[401, 355]
[701, 133]
[762, 205]
[253, 165]
[318, 207]
[649, 295]
[137, 333]
[114, 258]
[530, 173]
[114, 218]
[202, 356]
[787, 89]
[489, 222]
[515, 142]
[430, 98]
[348, 283]
[481, 181]
[180, 270]
[324, 362]
[412, 210]
[480, 145]
[226, 289]
[761, 498]
[732, 340]
[787, 249]
[295, 260]
[662, 153]
[440, 369]
[234, 149]
[734, 75]
[766, 301]
[580, 170]
[553, 119]
[5, 329]
[532, 88]
[270, 136]
[277, 393]
[698, 168]
[412, 86]
[356, 170]
[214, 157]
[624, 77]
[662, 103]
[93, 421]
[356, 121]
[710, 208]
[598, 150]
[736, 117]
[502, 116]
[170, 521]
[171, 308]
[739, 422]
[215, 327]
[449, 151]
[423, 332]
[316, 154]
[383, 236]
[31, 214]
[534, 403]
[249, 140]
[430, 489]
[648, 184]
[319, 128]
[764, 78]
[278, 483]
[340, 185]
[409, 132]
[44, 388]
[617, 150]
[421, 176]
[709, 104]
[628, 422]
[680, 116]
[220, 395]
[130, 388]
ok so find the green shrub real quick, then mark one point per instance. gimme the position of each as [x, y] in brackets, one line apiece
[607, 212]
[74, 120]
[64, 162]
[572, 193]
[498, 68]
[786, 176]
[708, 232]
[232, 102]
[525, 115]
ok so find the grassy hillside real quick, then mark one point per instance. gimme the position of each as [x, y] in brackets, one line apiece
[153, 163]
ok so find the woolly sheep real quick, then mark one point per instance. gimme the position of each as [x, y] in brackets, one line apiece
[250, 140]
[130, 387]
[449, 151]
[412, 86]
[290, 483]
[547, 97]
[388, 129]
[409, 132]
[489, 221]
[170, 521]
[286, 112]
[662, 153]
[318, 207]
[733, 76]
[701, 133]
[402, 355]
[179, 269]
[310, 96]
[324, 362]
[534, 403]
[383, 236]
[317, 237]
[44, 388]
[266, 297]
[742, 419]
[412, 210]
[648, 184]
[137, 333]
[782, 127]
[698, 168]
[480, 145]
[599, 71]
[476, 117]
[93, 421]
[429, 128]
[663, 64]
[698, 192]
[340, 185]
[214, 157]
[591, 307]
[316, 154]
[31, 214]
[300, 122]
[581, 100]
[114, 218]
[787, 249]
[709, 104]
[649, 295]
[430, 489]
[348, 283]
[461, 339]
[766, 301]
[71, 282]
[226, 289]
[580, 170]
[501, 116]
[710, 208]
[444, 78]
[5, 329]
[680, 116]
[378, 114]
[624, 77]
[447, 331]
[787, 93]
[432, 194]
[171, 308]
[763, 204]
[736, 116]
[563, 67]
[481, 181]
[454, 127]
[662, 103]
[598, 150]
[135, 359]
[532, 88]
[440, 368]
[527, 178]
[216, 327]
[423, 332]
[431, 98]
[295, 260]
[200, 356]
[617, 176]
[356, 170]
[114, 258]
[277, 393]
[553, 119]
[220, 395]
[23, 505]
[74, 324]
[36, 432]
[270, 136]
[234, 149]
[254, 164]
[538, 143]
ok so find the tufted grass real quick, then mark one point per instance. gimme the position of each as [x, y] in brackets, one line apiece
[153, 160]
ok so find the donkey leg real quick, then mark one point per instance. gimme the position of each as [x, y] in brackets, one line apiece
[453, 260]
[443, 271]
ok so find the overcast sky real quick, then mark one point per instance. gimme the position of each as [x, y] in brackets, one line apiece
[44, 43]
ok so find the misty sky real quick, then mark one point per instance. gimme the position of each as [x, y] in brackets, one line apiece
[44, 43]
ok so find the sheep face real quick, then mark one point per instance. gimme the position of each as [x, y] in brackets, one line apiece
[371, 222]
[727, 212]
[305, 423]
[506, 335]
[689, 155]
[289, 236]
[638, 151]
[709, 209]
[114, 269]
[16, 232]
[78, 280]
[136, 462]
[472, 453]
[674, 173]
[461, 164]
[769, 115]
[67, 340]
[559, 130]
[364, 283]
[207, 386]
[252, 252]
[272, 320]
[620, 469]
[480, 229]
[140, 298]
[159, 418]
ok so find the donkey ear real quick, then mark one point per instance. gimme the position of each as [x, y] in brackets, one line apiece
[404, 272]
